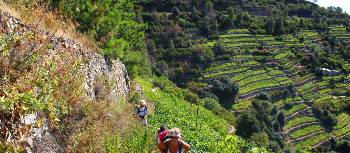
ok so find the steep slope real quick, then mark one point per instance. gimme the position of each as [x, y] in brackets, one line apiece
[294, 55]
[264, 64]
[279, 69]
[50, 75]
[201, 128]
[63, 97]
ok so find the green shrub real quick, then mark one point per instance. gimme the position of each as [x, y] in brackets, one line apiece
[116, 48]
[134, 97]
[247, 124]
[274, 146]
[113, 24]
[281, 118]
[218, 49]
[211, 104]
[260, 139]
[191, 97]
[263, 96]
[138, 139]
[226, 90]
[161, 68]
[235, 144]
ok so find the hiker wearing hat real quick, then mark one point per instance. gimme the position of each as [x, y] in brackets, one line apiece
[142, 111]
[162, 133]
[173, 143]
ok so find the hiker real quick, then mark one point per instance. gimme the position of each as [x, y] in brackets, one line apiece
[162, 133]
[173, 143]
[142, 111]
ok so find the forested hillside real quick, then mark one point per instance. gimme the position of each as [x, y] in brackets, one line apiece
[233, 75]
[282, 67]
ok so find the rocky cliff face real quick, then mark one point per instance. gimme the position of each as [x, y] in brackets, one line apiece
[102, 73]
[102, 77]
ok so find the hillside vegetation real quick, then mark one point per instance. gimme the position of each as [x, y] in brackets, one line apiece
[281, 66]
[205, 131]
[233, 75]
[37, 81]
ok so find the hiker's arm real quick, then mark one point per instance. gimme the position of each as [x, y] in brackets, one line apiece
[161, 146]
[186, 146]
[146, 112]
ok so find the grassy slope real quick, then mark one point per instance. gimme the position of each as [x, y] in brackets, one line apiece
[170, 108]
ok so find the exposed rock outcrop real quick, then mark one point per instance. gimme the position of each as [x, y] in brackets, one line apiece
[99, 73]
[112, 72]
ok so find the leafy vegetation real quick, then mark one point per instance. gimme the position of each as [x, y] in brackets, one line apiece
[114, 24]
[282, 67]
[305, 131]
[48, 89]
[201, 128]
[263, 117]
[298, 121]
[270, 50]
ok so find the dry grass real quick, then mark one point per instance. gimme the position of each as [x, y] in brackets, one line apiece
[88, 122]
[25, 70]
[47, 20]
[100, 119]
[87, 129]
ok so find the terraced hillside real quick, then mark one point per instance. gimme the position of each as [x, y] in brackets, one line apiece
[233, 75]
[261, 64]
[282, 69]
[302, 128]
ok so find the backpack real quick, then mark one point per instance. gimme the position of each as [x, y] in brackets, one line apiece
[162, 136]
[139, 111]
[167, 148]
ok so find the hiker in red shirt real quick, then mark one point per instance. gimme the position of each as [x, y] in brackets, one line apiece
[162, 133]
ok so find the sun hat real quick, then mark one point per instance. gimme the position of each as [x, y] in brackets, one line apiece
[174, 133]
[143, 102]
